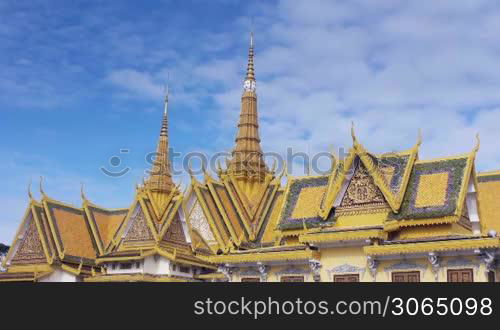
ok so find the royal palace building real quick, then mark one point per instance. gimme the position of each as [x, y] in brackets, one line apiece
[372, 218]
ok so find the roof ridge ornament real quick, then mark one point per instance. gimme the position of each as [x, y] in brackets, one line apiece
[419, 138]
[478, 144]
[82, 192]
[30, 195]
[353, 135]
[41, 187]
[273, 169]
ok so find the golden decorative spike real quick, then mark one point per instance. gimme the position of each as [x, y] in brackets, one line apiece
[190, 171]
[478, 143]
[419, 138]
[219, 168]
[30, 195]
[41, 187]
[82, 192]
[179, 185]
[353, 134]
[275, 165]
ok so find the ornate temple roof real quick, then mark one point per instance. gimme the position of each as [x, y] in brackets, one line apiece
[368, 196]
[393, 203]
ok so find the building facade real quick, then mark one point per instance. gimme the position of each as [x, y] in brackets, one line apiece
[373, 218]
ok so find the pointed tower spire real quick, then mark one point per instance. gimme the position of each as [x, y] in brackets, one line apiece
[247, 158]
[160, 178]
[250, 65]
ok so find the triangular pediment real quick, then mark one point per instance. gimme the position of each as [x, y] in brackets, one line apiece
[361, 191]
[28, 247]
[175, 232]
[138, 228]
[199, 223]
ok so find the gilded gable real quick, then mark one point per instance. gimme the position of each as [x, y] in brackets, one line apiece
[139, 229]
[175, 233]
[199, 223]
[30, 246]
[362, 192]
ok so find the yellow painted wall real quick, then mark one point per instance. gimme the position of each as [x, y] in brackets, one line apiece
[354, 256]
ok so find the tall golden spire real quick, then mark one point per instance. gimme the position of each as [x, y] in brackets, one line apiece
[247, 160]
[160, 179]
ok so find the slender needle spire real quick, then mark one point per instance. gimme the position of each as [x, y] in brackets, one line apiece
[160, 177]
[250, 67]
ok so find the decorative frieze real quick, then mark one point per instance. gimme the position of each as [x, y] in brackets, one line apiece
[346, 269]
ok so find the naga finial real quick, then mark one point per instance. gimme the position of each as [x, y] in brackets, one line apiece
[353, 134]
[30, 195]
[41, 187]
[478, 143]
[419, 138]
[82, 192]
[275, 164]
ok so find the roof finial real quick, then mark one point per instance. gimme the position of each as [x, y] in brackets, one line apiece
[478, 143]
[30, 195]
[41, 187]
[166, 91]
[275, 166]
[353, 134]
[165, 106]
[419, 138]
[82, 192]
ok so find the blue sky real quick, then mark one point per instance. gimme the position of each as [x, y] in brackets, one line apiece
[81, 80]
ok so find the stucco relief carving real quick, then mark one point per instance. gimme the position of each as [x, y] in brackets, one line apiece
[346, 269]
[199, 222]
[362, 189]
[30, 246]
[139, 229]
[461, 262]
[293, 270]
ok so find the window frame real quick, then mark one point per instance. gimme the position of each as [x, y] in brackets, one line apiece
[407, 274]
[449, 273]
[346, 276]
